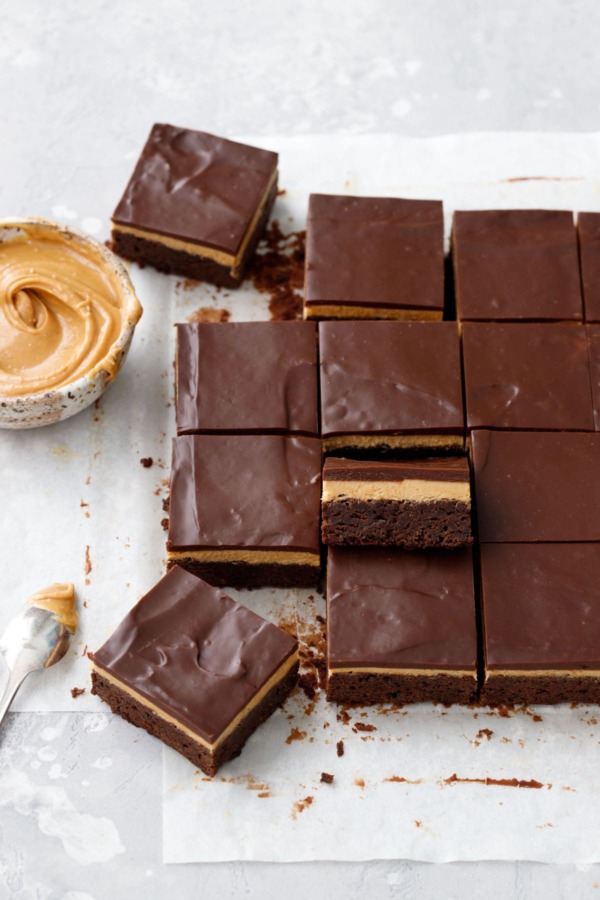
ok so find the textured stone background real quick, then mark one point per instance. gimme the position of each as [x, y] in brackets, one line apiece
[81, 82]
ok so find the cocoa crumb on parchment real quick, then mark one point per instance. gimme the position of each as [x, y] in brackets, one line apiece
[340, 748]
[326, 778]
[147, 462]
[77, 692]
[209, 314]
[277, 269]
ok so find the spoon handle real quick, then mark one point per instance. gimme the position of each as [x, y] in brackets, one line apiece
[15, 680]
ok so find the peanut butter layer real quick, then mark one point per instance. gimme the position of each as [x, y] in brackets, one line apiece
[58, 599]
[61, 311]
[394, 441]
[253, 557]
[339, 311]
[415, 490]
[390, 670]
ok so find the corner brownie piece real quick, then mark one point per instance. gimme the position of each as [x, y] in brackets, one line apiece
[533, 486]
[541, 618]
[257, 377]
[588, 230]
[195, 669]
[400, 626]
[527, 376]
[196, 205]
[416, 504]
[516, 264]
[244, 509]
[374, 258]
[390, 386]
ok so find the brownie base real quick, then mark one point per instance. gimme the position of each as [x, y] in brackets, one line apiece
[522, 690]
[366, 688]
[247, 575]
[145, 251]
[125, 706]
[397, 523]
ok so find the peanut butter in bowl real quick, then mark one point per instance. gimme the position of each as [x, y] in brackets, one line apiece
[67, 315]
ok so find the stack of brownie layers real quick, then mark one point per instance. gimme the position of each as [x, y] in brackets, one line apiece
[413, 387]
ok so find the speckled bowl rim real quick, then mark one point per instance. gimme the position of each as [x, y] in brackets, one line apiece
[117, 350]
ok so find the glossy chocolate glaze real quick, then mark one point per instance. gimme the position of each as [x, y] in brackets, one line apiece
[245, 491]
[588, 229]
[527, 376]
[196, 187]
[390, 378]
[400, 608]
[194, 652]
[537, 486]
[436, 468]
[541, 605]
[373, 251]
[516, 264]
[247, 377]
[593, 333]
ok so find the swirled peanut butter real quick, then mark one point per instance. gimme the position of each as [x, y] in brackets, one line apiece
[61, 311]
[59, 599]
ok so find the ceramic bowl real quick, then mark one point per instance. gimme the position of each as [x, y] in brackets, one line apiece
[45, 408]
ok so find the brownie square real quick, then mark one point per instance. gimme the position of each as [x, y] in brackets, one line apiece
[391, 386]
[195, 669]
[400, 626]
[527, 376]
[244, 509]
[533, 486]
[258, 377]
[414, 503]
[519, 265]
[588, 230]
[374, 258]
[196, 205]
[541, 615]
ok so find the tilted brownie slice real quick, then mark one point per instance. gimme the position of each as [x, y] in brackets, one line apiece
[374, 258]
[416, 504]
[392, 387]
[194, 668]
[196, 205]
[244, 509]
[541, 622]
[400, 626]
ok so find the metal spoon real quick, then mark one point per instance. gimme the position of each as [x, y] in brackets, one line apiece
[38, 637]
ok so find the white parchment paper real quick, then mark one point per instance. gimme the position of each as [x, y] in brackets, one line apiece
[78, 505]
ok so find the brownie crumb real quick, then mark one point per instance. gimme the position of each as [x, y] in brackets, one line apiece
[278, 270]
[77, 692]
[165, 504]
[362, 726]
[147, 462]
[326, 778]
[165, 524]
[295, 735]
[209, 314]
[308, 683]
[340, 748]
